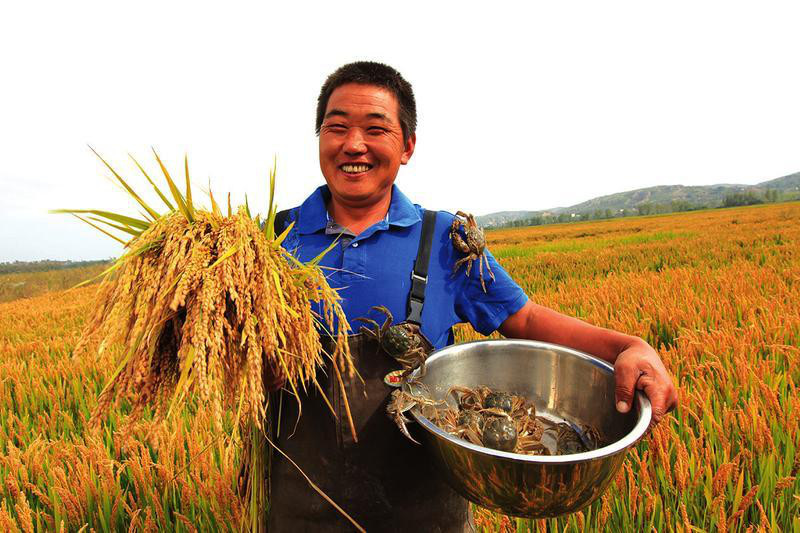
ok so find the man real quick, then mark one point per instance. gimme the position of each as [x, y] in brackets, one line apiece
[366, 121]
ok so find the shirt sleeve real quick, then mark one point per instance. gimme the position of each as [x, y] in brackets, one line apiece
[486, 311]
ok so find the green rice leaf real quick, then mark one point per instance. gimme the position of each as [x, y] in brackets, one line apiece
[158, 191]
[144, 248]
[122, 219]
[229, 252]
[151, 212]
[121, 261]
[100, 229]
[183, 381]
[214, 207]
[109, 270]
[279, 290]
[126, 229]
[318, 258]
[269, 227]
[189, 203]
[176, 193]
[283, 235]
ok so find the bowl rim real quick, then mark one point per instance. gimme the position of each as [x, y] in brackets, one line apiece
[641, 404]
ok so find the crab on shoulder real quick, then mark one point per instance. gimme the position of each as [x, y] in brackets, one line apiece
[473, 244]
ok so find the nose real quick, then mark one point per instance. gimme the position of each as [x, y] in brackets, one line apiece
[354, 142]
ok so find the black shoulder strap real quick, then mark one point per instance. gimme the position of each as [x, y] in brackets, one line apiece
[280, 221]
[419, 276]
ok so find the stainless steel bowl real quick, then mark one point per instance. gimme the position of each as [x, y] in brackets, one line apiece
[563, 384]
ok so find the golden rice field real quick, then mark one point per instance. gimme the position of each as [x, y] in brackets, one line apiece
[25, 285]
[715, 291]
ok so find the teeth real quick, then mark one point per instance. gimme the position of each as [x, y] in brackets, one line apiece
[355, 168]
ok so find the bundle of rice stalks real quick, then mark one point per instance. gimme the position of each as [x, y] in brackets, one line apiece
[207, 304]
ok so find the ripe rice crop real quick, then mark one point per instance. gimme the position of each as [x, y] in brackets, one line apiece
[715, 292]
[27, 284]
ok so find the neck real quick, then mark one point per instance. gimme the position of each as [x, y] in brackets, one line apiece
[358, 218]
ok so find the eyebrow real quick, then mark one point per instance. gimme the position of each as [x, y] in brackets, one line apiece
[341, 113]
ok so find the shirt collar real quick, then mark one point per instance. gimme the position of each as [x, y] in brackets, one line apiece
[313, 212]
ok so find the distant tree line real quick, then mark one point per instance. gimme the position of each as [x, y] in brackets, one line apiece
[751, 198]
[44, 265]
[648, 208]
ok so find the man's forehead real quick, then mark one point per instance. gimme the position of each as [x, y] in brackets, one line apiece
[336, 112]
[367, 101]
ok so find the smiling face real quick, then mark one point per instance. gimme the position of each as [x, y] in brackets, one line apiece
[361, 145]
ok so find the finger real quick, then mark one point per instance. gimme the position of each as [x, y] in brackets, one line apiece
[657, 404]
[672, 403]
[625, 377]
[657, 394]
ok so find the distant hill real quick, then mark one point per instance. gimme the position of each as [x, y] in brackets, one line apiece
[504, 217]
[661, 195]
[792, 181]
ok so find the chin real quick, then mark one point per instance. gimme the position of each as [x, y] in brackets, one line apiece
[355, 198]
[351, 189]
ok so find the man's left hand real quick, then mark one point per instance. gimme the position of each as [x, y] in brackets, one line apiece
[640, 367]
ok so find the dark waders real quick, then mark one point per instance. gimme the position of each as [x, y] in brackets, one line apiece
[385, 482]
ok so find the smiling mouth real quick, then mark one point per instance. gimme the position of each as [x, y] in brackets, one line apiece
[354, 168]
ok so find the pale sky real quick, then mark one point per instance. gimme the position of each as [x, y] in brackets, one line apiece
[520, 108]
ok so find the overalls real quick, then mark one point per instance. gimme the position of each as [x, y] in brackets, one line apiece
[384, 481]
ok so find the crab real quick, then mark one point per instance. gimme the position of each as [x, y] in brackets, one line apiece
[508, 422]
[470, 418]
[500, 433]
[500, 400]
[473, 244]
[532, 445]
[465, 424]
[591, 437]
[571, 439]
[402, 402]
[467, 398]
[405, 342]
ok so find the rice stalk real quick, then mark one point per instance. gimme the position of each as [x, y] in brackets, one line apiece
[206, 306]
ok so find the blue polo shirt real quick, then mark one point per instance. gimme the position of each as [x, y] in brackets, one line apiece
[374, 268]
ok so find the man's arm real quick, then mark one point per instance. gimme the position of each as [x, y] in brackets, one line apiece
[636, 363]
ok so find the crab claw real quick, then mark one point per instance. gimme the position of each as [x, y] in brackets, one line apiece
[401, 422]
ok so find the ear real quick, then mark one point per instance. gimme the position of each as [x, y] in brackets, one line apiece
[409, 150]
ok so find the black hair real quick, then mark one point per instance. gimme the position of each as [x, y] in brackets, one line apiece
[378, 74]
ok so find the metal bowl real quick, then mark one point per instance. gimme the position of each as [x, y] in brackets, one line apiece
[564, 385]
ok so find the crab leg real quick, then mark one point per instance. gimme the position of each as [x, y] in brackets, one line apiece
[472, 258]
[480, 271]
[401, 422]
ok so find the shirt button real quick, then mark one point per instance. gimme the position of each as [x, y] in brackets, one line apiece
[355, 245]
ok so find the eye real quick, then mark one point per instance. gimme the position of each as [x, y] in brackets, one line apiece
[335, 127]
[377, 130]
